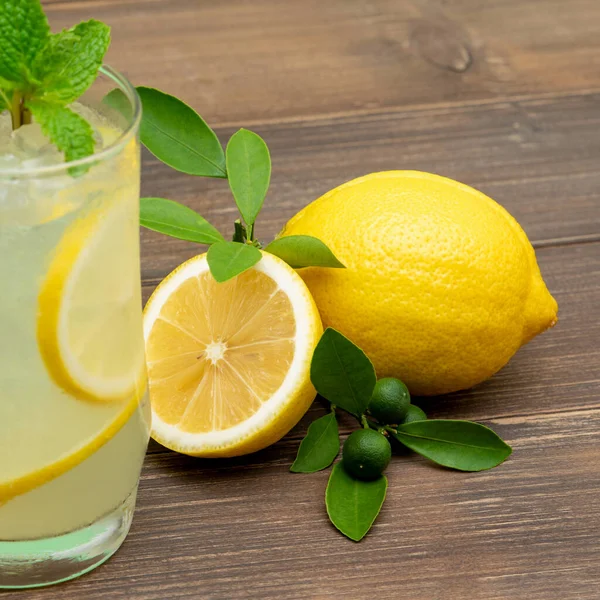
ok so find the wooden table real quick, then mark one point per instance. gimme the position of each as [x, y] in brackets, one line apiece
[504, 96]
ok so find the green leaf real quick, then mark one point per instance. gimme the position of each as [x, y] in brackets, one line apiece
[5, 102]
[178, 221]
[228, 259]
[461, 445]
[71, 133]
[304, 251]
[7, 85]
[24, 30]
[248, 172]
[352, 504]
[320, 446]
[342, 372]
[68, 63]
[119, 102]
[178, 136]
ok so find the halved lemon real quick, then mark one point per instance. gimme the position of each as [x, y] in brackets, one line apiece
[229, 363]
[88, 309]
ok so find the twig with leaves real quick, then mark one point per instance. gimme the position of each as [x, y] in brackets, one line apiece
[343, 374]
[178, 136]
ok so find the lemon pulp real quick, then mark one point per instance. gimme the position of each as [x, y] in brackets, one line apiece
[228, 364]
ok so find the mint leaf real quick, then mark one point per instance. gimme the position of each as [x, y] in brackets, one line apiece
[320, 446]
[178, 221]
[71, 133]
[4, 100]
[352, 504]
[228, 259]
[461, 445]
[304, 251]
[24, 30]
[7, 85]
[248, 172]
[68, 63]
[178, 136]
[342, 373]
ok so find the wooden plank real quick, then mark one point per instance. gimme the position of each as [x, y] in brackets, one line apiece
[241, 61]
[557, 371]
[538, 158]
[246, 528]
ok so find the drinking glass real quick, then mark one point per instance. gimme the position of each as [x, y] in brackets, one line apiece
[74, 413]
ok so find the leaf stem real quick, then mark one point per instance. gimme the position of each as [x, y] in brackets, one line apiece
[240, 232]
[380, 428]
[16, 110]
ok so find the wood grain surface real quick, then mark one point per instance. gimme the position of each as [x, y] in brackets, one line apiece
[538, 158]
[240, 61]
[504, 96]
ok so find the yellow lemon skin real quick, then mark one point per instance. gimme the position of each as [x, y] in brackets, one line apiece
[441, 287]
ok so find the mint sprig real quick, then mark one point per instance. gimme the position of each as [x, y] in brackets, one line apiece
[178, 136]
[343, 374]
[69, 62]
[24, 30]
[42, 73]
[70, 132]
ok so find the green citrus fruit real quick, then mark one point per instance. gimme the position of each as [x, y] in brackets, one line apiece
[366, 454]
[390, 401]
[414, 413]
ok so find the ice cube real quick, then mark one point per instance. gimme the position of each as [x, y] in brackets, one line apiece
[29, 141]
[8, 161]
[33, 148]
[105, 133]
[5, 124]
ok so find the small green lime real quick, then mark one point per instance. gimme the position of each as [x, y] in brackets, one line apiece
[390, 401]
[414, 413]
[366, 454]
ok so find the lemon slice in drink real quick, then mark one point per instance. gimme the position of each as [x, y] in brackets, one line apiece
[229, 363]
[88, 307]
[25, 482]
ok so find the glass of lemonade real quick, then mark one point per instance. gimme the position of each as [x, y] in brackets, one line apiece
[74, 414]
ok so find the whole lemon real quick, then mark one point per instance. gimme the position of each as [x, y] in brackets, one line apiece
[441, 287]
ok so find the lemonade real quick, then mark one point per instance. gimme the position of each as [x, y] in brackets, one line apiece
[74, 415]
